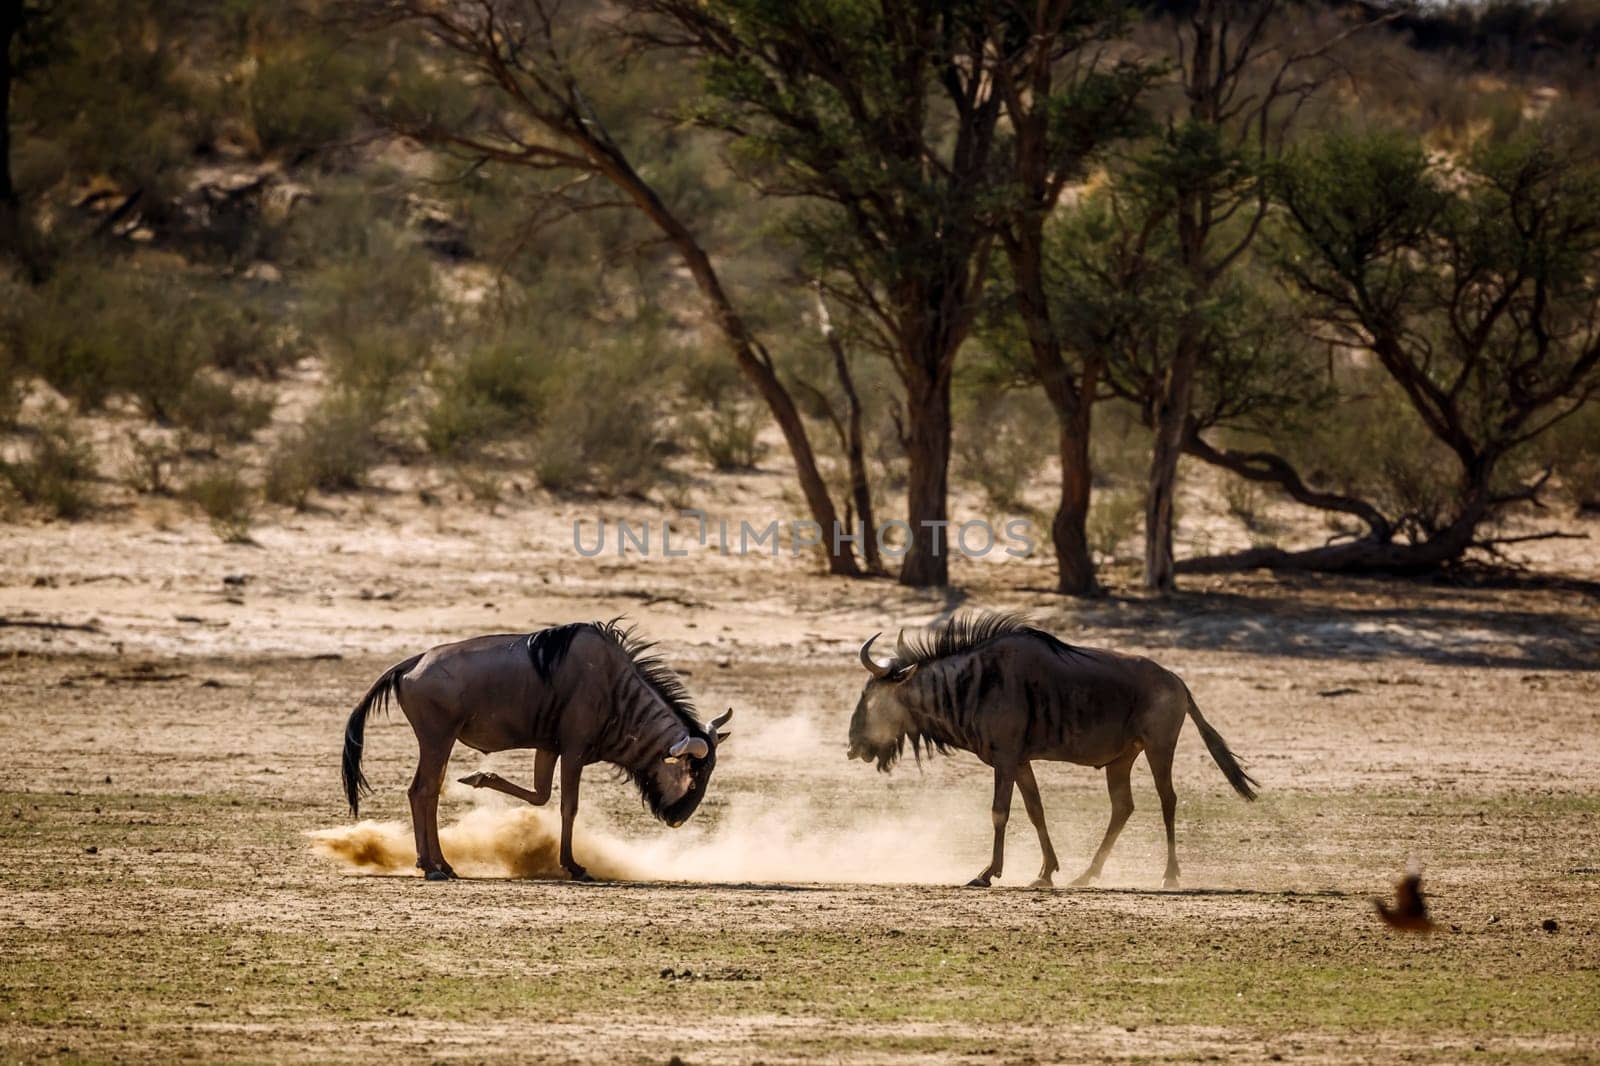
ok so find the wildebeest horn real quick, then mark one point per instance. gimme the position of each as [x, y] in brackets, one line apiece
[719, 721]
[694, 747]
[874, 668]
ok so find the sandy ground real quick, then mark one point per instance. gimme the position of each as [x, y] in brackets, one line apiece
[172, 706]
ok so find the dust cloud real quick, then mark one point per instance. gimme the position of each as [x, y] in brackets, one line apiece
[771, 823]
[755, 841]
[487, 841]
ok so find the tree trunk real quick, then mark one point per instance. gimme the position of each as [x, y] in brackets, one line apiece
[752, 359]
[1370, 555]
[1170, 421]
[1069, 532]
[927, 561]
[10, 206]
[1271, 469]
[854, 442]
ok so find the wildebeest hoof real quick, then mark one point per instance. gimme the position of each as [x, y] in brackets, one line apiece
[978, 882]
[477, 780]
[581, 875]
[1042, 882]
[438, 875]
[1083, 880]
[1170, 882]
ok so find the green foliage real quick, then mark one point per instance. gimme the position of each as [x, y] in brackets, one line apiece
[56, 470]
[605, 428]
[1572, 450]
[228, 500]
[304, 94]
[375, 312]
[1376, 449]
[331, 451]
[245, 336]
[1003, 440]
[93, 332]
[496, 389]
[728, 436]
[1475, 287]
[108, 89]
[1115, 517]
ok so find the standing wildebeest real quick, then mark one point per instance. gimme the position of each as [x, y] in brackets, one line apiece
[1009, 693]
[583, 693]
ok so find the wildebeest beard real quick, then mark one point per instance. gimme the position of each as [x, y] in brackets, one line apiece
[889, 753]
[676, 813]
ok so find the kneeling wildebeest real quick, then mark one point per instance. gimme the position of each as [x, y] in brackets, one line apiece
[1009, 693]
[583, 693]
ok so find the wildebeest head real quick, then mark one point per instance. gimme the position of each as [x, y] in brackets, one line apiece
[879, 727]
[675, 783]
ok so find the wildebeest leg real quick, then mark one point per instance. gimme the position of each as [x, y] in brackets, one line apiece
[432, 758]
[571, 771]
[1121, 790]
[1161, 769]
[1030, 800]
[544, 772]
[1004, 778]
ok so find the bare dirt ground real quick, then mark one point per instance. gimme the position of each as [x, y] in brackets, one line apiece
[170, 752]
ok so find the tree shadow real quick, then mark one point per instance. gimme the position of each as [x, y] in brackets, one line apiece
[1478, 631]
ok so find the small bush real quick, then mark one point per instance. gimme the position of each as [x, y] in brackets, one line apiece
[727, 437]
[244, 339]
[1572, 447]
[1375, 447]
[332, 452]
[56, 472]
[148, 468]
[1247, 502]
[213, 409]
[228, 500]
[495, 390]
[1115, 516]
[1002, 444]
[376, 313]
[303, 98]
[604, 429]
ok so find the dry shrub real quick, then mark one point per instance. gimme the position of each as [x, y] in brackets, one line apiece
[1115, 517]
[56, 471]
[604, 428]
[332, 451]
[727, 437]
[495, 390]
[1001, 444]
[94, 332]
[228, 500]
[149, 466]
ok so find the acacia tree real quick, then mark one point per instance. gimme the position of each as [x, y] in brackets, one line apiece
[536, 113]
[1061, 107]
[881, 119]
[1476, 289]
[1200, 194]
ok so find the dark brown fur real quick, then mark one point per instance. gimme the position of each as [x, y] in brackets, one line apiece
[1011, 693]
[581, 693]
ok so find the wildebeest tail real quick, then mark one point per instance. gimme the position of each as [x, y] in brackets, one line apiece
[1242, 782]
[387, 686]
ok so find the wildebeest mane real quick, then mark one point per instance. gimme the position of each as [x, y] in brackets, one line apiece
[969, 632]
[548, 647]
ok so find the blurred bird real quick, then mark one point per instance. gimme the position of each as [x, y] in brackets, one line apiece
[1410, 910]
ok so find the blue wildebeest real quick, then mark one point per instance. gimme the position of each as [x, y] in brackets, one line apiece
[580, 693]
[1010, 693]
